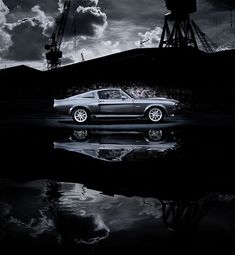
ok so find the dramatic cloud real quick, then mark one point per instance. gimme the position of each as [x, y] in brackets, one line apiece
[149, 38]
[3, 12]
[86, 21]
[5, 39]
[34, 31]
[28, 36]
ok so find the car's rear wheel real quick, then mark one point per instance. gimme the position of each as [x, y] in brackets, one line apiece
[155, 114]
[80, 115]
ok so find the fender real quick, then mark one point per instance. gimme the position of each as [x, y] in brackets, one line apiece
[156, 105]
[78, 106]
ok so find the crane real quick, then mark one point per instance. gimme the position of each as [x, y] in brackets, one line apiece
[54, 54]
[180, 30]
[142, 42]
[208, 45]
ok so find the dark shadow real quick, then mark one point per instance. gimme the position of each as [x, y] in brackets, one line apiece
[182, 218]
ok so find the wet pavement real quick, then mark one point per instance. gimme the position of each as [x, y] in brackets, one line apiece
[65, 122]
[117, 186]
[69, 218]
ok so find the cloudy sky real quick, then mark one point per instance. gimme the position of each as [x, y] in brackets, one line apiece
[102, 27]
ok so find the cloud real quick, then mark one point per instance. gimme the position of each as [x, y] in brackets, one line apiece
[37, 27]
[102, 49]
[28, 36]
[105, 47]
[5, 39]
[76, 3]
[142, 11]
[150, 38]
[85, 3]
[3, 12]
[222, 4]
[68, 59]
[110, 47]
[27, 5]
[49, 6]
[115, 39]
[87, 21]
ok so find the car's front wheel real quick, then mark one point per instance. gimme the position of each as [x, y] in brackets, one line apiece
[155, 114]
[80, 115]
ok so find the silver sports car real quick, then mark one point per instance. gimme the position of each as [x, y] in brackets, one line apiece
[115, 103]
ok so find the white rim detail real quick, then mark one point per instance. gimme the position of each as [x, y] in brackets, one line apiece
[155, 135]
[155, 114]
[80, 115]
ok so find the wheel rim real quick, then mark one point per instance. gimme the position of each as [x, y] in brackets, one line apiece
[155, 114]
[80, 134]
[155, 135]
[80, 115]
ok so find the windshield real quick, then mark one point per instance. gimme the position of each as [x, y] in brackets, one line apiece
[129, 94]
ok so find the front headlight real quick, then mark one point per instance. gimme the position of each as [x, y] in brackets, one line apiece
[177, 106]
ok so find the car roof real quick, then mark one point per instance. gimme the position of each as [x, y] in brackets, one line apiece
[98, 90]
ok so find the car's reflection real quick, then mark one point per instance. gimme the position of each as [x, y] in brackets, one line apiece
[115, 146]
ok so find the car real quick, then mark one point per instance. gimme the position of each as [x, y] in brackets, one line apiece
[115, 103]
[116, 146]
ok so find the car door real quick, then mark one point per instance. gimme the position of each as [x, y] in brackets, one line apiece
[114, 102]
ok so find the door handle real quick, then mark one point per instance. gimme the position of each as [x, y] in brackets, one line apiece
[101, 101]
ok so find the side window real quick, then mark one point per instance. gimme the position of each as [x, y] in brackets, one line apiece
[88, 95]
[109, 94]
[102, 95]
[115, 94]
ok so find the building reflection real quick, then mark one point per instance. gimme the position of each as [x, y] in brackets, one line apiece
[182, 215]
[183, 218]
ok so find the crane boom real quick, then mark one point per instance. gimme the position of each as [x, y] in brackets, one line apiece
[208, 45]
[61, 23]
[54, 54]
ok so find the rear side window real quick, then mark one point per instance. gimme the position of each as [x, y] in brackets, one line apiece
[88, 95]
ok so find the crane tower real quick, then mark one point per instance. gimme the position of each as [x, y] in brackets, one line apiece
[180, 31]
[54, 54]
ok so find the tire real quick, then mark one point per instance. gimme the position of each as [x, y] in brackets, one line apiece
[80, 135]
[155, 114]
[81, 115]
[154, 135]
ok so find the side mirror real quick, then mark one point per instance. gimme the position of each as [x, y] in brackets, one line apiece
[123, 97]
